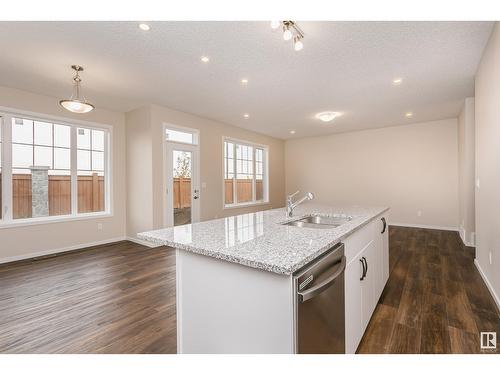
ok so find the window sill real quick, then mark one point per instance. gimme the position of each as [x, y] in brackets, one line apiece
[246, 204]
[52, 220]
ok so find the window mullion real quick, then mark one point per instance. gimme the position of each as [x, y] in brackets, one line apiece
[235, 175]
[265, 175]
[7, 168]
[106, 173]
[254, 184]
[73, 167]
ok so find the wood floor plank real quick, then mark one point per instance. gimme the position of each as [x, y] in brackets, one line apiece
[463, 342]
[405, 340]
[379, 331]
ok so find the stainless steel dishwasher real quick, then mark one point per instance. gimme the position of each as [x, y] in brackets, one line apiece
[320, 308]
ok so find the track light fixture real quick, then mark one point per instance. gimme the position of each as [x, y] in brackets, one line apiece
[291, 31]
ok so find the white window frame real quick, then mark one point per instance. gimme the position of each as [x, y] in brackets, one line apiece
[194, 132]
[6, 115]
[265, 175]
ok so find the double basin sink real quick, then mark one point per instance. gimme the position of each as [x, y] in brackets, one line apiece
[320, 221]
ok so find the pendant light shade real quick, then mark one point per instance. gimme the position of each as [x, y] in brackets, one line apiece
[77, 103]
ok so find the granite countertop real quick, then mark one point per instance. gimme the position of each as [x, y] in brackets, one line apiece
[259, 240]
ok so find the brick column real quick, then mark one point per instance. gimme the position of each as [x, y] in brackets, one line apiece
[39, 191]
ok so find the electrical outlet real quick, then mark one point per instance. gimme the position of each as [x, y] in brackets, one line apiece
[491, 258]
[419, 213]
[99, 226]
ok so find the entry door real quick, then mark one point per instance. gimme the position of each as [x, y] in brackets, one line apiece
[183, 189]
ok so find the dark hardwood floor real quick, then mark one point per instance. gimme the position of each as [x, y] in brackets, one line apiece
[120, 298]
[435, 300]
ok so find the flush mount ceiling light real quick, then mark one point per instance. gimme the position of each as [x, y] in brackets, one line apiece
[409, 114]
[244, 81]
[246, 115]
[327, 116]
[291, 31]
[292, 132]
[204, 59]
[144, 27]
[77, 103]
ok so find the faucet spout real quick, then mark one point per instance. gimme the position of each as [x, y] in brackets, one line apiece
[290, 204]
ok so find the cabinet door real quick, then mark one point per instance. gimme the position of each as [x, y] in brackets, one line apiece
[369, 284]
[385, 254]
[353, 306]
[377, 261]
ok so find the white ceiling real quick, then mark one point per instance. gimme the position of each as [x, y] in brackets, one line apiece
[344, 66]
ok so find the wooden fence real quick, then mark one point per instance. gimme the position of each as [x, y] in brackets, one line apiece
[182, 191]
[90, 195]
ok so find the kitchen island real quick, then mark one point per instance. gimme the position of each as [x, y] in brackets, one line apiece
[236, 290]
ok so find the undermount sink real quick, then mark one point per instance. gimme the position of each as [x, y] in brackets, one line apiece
[320, 221]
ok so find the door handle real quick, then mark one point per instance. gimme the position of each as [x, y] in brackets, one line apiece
[385, 224]
[196, 194]
[317, 289]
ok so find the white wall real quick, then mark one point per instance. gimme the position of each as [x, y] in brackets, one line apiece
[145, 174]
[410, 168]
[21, 242]
[488, 163]
[466, 172]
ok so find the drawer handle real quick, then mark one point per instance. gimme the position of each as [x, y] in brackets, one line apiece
[385, 225]
[364, 269]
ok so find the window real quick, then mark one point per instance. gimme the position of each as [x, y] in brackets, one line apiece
[41, 182]
[174, 135]
[55, 169]
[245, 173]
[90, 170]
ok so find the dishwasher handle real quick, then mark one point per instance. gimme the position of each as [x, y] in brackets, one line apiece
[315, 290]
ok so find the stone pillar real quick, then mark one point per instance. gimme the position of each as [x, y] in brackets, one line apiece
[40, 191]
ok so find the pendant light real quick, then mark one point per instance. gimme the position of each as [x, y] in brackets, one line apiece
[77, 103]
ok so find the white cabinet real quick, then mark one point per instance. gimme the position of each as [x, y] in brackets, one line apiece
[365, 277]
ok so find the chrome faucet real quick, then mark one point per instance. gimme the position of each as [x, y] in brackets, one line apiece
[290, 204]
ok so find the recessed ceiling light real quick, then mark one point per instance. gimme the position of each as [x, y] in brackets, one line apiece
[292, 131]
[244, 81]
[205, 59]
[144, 27]
[409, 114]
[246, 115]
[327, 116]
[397, 81]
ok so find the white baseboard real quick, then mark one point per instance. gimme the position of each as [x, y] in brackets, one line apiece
[466, 243]
[60, 250]
[141, 242]
[423, 226]
[488, 284]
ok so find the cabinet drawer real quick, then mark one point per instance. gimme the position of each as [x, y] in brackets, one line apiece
[358, 241]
